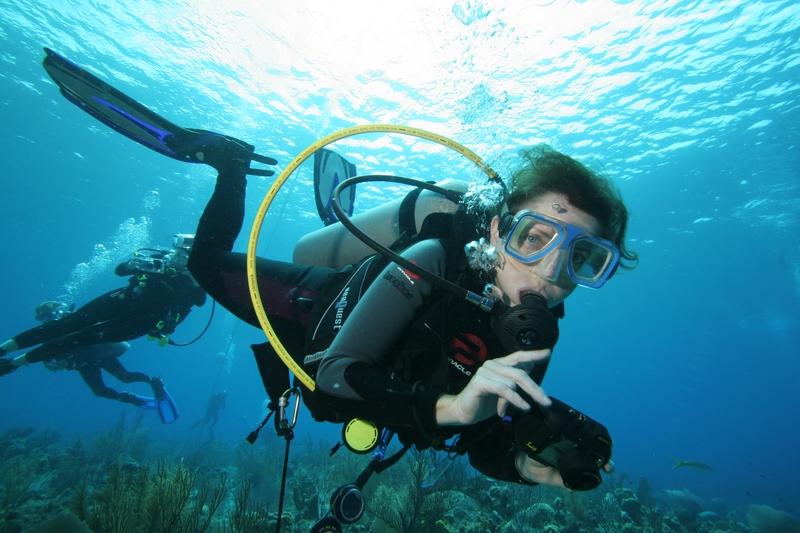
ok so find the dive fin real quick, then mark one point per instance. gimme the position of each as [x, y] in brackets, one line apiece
[132, 119]
[330, 169]
[144, 402]
[165, 405]
[6, 367]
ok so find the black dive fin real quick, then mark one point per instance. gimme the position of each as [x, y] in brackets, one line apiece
[330, 169]
[132, 119]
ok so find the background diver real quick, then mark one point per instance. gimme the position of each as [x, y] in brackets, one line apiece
[159, 295]
[214, 405]
[91, 360]
[405, 353]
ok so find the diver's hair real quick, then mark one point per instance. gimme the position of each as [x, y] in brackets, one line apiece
[547, 170]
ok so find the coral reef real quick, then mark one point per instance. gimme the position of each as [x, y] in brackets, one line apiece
[124, 481]
[763, 519]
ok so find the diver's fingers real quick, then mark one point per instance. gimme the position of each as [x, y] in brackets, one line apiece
[502, 407]
[520, 379]
[512, 397]
[500, 386]
[505, 391]
[525, 359]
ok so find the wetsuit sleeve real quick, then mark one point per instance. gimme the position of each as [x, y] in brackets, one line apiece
[354, 370]
[183, 294]
[196, 296]
[493, 453]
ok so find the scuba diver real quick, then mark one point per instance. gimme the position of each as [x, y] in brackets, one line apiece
[387, 339]
[393, 348]
[214, 405]
[159, 295]
[89, 361]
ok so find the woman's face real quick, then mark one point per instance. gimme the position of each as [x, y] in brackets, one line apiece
[515, 279]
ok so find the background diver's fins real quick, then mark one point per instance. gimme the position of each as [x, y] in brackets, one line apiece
[330, 169]
[132, 119]
[165, 405]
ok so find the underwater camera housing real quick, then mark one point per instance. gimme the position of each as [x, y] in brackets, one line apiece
[164, 261]
[152, 260]
[566, 439]
[183, 240]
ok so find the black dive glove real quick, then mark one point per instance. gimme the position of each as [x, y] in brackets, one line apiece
[219, 151]
[566, 439]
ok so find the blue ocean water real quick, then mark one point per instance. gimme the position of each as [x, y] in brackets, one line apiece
[691, 107]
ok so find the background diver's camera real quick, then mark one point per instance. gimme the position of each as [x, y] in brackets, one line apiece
[147, 263]
[183, 240]
[566, 439]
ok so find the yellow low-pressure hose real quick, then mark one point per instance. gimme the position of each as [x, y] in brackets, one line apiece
[255, 232]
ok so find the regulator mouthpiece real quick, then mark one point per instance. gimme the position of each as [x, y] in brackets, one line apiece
[527, 326]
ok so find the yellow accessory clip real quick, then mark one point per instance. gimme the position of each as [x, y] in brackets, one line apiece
[163, 340]
[255, 232]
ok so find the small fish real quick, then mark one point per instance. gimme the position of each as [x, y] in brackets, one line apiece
[697, 465]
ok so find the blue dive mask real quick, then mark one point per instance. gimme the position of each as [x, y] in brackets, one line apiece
[551, 244]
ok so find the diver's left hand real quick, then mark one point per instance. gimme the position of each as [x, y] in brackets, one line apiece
[536, 472]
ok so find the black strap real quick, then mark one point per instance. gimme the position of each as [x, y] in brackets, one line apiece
[407, 219]
[251, 438]
[376, 466]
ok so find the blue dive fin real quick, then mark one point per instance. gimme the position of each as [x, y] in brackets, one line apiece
[132, 119]
[330, 169]
[143, 402]
[165, 405]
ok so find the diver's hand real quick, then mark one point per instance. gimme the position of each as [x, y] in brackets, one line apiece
[535, 472]
[492, 389]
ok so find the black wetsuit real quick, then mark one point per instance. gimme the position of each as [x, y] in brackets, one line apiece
[151, 304]
[398, 317]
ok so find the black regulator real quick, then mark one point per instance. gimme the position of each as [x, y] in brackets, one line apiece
[527, 326]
